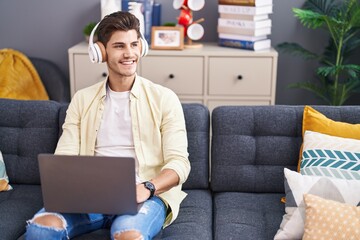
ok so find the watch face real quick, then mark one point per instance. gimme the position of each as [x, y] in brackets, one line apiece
[150, 186]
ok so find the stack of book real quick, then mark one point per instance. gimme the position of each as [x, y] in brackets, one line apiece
[245, 24]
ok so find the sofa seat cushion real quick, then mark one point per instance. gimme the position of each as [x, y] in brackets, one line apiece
[16, 207]
[194, 221]
[249, 215]
[195, 218]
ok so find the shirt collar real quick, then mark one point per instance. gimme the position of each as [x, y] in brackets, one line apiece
[135, 90]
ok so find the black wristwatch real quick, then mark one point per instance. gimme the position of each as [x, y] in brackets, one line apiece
[151, 187]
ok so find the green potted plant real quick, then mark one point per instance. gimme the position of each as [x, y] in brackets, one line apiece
[336, 78]
[88, 29]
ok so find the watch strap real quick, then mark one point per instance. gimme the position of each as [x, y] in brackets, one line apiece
[151, 187]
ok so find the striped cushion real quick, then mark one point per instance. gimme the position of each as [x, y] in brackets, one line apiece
[4, 180]
[330, 156]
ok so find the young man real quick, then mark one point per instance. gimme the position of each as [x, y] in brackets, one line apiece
[126, 115]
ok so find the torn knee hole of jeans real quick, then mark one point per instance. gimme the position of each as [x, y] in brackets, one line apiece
[118, 234]
[37, 216]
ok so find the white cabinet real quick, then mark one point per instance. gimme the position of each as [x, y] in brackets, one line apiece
[211, 75]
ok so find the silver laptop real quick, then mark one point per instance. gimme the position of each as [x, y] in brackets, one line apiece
[88, 184]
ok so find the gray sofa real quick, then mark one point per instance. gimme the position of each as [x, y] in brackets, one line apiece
[240, 199]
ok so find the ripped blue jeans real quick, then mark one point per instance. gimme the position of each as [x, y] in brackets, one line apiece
[148, 221]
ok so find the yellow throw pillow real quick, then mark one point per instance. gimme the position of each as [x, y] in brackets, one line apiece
[328, 219]
[317, 122]
[19, 78]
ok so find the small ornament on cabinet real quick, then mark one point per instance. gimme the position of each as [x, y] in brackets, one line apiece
[193, 30]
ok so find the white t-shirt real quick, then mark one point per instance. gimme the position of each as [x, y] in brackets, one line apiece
[115, 136]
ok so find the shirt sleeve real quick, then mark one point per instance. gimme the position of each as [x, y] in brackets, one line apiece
[69, 142]
[174, 138]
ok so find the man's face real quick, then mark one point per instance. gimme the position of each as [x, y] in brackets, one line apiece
[123, 52]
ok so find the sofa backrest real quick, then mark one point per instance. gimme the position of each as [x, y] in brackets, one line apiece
[251, 145]
[197, 120]
[27, 128]
[54, 80]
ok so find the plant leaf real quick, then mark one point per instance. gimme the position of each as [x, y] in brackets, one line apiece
[309, 18]
[309, 86]
[323, 7]
[354, 13]
[296, 50]
[353, 70]
[327, 71]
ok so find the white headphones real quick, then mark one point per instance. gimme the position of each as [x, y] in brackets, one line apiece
[97, 52]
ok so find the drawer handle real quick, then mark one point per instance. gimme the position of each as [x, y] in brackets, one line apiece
[171, 76]
[104, 74]
[239, 77]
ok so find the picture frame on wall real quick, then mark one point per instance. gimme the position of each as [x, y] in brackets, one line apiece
[167, 38]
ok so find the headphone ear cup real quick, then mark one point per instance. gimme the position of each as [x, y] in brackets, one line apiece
[97, 52]
[100, 48]
[93, 53]
[144, 47]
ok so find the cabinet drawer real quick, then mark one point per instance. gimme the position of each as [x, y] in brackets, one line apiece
[240, 76]
[184, 75]
[87, 73]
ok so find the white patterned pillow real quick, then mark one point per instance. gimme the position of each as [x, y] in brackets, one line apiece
[4, 180]
[325, 155]
[296, 185]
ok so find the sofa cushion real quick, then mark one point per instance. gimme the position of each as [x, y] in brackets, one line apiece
[19, 78]
[194, 221]
[296, 184]
[327, 219]
[54, 80]
[27, 128]
[243, 157]
[317, 121]
[330, 156]
[4, 180]
[251, 145]
[62, 115]
[247, 215]
[16, 207]
[197, 120]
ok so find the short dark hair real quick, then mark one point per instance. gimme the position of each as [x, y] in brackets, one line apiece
[117, 21]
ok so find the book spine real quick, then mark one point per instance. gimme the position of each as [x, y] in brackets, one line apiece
[244, 31]
[236, 43]
[237, 9]
[244, 17]
[243, 23]
[238, 2]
